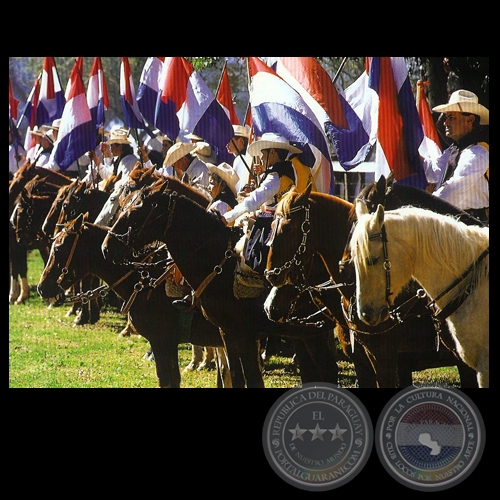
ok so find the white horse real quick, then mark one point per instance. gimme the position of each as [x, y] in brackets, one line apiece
[449, 259]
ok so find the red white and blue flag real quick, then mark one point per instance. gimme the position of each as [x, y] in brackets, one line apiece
[29, 113]
[76, 132]
[51, 100]
[186, 103]
[79, 64]
[354, 131]
[149, 88]
[431, 145]
[277, 107]
[97, 93]
[399, 129]
[131, 112]
[225, 97]
[312, 82]
[13, 103]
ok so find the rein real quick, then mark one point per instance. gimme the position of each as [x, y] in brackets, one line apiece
[296, 259]
[437, 316]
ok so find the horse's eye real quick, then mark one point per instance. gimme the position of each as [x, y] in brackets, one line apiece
[372, 261]
[286, 226]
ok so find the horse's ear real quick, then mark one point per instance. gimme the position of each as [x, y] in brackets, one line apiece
[381, 184]
[361, 207]
[379, 215]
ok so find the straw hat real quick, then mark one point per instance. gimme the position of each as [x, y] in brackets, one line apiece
[178, 151]
[226, 173]
[37, 131]
[271, 140]
[241, 131]
[119, 136]
[463, 101]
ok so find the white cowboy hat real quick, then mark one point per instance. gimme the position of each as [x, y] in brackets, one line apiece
[49, 135]
[193, 137]
[177, 151]
[56, 123]
[119, 136]
[241, 130]
[271, 140]
[464, 101]
[204, 152]
[226, 173]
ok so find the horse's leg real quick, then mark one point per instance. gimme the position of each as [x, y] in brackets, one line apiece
[208, 359]
[382, 350]
[358, 355]
[94, 304]
[234, 362]
[165, 351]
[322, 352]
[249, 353]
[129, 328]
[196, 358]
[223, 374]
[19, 290]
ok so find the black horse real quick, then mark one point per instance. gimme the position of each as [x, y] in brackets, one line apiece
[202, 247]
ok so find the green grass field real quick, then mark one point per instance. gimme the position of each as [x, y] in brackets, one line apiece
[47, 351]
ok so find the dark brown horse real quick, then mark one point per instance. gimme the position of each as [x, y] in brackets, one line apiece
[18, 257]
[313, 227]
[77, 248]
[202, 247]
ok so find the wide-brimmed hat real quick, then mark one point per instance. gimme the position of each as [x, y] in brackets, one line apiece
[177, 151]
[49, 135]
[56, 124]
[204, 152]
[226, 173]
[464, 101]
[271, 140]
[241, 131]
[193, 137]
[37, 131]
[119, 136]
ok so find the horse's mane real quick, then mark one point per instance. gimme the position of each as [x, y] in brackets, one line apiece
[192, 192]
[433, 235]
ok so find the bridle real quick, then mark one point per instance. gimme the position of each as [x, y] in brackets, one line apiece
[297, 257]
[438, 316]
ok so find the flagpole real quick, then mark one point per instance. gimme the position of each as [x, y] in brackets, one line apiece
[221, 75]
[340, 69]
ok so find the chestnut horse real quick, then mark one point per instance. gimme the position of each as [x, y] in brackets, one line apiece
[317, 225]
[202, 247]
[77, 249]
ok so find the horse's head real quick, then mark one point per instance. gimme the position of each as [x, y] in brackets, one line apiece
[288, 241]
[137, 223]
[368, 248]
[62, 269]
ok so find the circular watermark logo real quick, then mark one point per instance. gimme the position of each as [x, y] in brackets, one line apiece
[317, 437]
[430, 438]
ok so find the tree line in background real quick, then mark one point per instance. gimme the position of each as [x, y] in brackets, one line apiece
[445, 74]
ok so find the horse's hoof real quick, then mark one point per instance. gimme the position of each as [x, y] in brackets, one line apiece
[189, 368]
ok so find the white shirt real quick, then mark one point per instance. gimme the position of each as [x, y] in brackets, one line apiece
[263, 195]
[197, 171]
[126, 165]
[242, 171]
[467, 187]
[13, 163]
